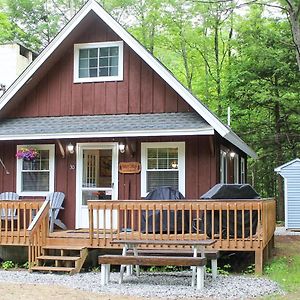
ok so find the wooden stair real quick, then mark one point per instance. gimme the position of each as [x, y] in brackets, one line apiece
[67, 259]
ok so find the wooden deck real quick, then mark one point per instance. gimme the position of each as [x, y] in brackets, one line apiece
[236, 225]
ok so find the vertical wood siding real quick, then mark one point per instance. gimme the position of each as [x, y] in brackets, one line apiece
[141, 91]
[200, 171]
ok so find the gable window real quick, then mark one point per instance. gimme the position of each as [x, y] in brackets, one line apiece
[163, 164]
[98, 62]
[36, 177]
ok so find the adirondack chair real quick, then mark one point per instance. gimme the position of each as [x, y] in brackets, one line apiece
[56, 200]
[9, 196]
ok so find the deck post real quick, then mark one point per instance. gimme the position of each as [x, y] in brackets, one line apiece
[258, 261]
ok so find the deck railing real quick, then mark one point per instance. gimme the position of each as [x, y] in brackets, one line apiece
[235, 224]
[38, 232]
[16, 216]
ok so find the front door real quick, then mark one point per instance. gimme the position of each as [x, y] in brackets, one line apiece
[97, 177]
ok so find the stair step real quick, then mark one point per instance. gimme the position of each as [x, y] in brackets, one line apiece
[52, 269]
[64, 247]
[54, 257]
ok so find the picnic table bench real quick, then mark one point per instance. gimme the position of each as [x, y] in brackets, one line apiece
[107, 260]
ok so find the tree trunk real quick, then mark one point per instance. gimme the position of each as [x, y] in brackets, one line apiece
[293, 15]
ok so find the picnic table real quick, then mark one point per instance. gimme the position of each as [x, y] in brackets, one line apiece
[198, 246]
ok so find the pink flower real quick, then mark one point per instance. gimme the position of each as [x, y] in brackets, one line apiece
[27, 153]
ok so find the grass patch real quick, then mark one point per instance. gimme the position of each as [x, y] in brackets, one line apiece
[286, 271]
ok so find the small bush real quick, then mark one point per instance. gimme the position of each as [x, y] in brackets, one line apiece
[8, 265]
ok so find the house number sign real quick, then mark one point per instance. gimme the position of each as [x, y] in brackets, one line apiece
[129, 167]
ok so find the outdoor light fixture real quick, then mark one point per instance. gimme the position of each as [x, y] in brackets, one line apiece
[70, 148]
[122, 147]
[232, 154]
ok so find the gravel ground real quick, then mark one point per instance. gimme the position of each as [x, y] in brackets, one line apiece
[173, 285]
[283, 231]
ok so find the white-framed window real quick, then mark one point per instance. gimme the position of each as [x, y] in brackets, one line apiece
[94, 62]
[243, 170]
[223, 166]
[163, 164]
[236, 169]
[36, 177]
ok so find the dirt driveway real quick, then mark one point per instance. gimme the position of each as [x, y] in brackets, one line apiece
[9, 291]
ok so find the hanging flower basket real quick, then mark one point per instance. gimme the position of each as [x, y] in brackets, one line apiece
[28, 154]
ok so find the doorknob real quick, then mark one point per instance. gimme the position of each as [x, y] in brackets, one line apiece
[112, 185]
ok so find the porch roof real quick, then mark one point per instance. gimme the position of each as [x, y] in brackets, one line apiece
[123, 125]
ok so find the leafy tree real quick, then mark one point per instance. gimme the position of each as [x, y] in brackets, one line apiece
[264, 91]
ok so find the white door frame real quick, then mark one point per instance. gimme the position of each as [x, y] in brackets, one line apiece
[79, 171]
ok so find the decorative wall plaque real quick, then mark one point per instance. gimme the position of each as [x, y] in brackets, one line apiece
[129, 167]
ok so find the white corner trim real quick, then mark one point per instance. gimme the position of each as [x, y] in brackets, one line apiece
[143, 53]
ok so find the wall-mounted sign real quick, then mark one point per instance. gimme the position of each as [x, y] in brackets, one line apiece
[129, 167]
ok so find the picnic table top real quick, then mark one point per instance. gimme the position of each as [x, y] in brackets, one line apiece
[166, 242]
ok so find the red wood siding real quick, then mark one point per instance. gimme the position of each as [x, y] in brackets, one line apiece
[141, 91]
[200, 170]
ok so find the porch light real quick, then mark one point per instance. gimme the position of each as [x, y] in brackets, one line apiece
[122, 147]
[232, 154]
[70, 148]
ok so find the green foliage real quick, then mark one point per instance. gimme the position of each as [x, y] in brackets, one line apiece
[250, 269]
[6, 265]
[285, 271]
[25, 265]
[225, 270]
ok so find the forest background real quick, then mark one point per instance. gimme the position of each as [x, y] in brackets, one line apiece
[230, 53]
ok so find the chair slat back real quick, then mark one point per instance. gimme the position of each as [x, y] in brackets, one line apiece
[56, 200]
[8, 196]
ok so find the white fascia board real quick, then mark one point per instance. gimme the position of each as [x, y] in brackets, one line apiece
[235, 140]
[278, 169]
[80, 135]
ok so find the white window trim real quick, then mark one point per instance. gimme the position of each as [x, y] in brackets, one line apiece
[77, 47]
[181, 163]
[236, 169]
[243, 170]
[223, 166]
[51, 148]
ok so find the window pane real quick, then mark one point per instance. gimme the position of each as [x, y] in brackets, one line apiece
[83, 53]
[113, 71]
[162, 153]
[103, 72]
[113, 61]
[114, 51]
[104, 52]
[93, 63]
[173, 153]
[40, 163]
[103, 62]
[93, 73]
[163, 163]
[162, 178]
[83, 63]
[152, 152]
[93, 53]
[83, 73]
[173, 164]
[35, 181]
[152, 163]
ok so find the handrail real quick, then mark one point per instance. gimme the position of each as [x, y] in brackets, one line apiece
[15, 219]
[38, 232]
[234, 223]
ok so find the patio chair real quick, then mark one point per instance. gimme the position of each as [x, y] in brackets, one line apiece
[56, 200]
[9, 213]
